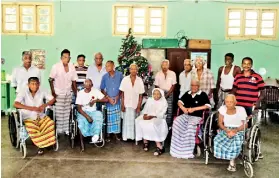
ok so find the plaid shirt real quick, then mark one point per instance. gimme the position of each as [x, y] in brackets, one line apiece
[206, 81]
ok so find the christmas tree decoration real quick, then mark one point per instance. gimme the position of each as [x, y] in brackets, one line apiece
[130, 53]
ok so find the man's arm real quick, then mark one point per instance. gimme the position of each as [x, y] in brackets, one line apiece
[170, 91]
[18, 105]
[51, 80]
[87, 117]
[219, 78]
[261, 97]
[237, 70]
[74, 87]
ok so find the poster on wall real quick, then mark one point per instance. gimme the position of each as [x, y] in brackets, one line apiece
[38, 58]
[197, 55]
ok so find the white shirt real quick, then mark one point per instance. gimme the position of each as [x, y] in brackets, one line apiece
[185, 82]
[227, 79]
[24, 97]
[131, 93]
[84, 98]
[20, 76]
[62, 79]
[165, 82]
[95, 75]
[234, 120]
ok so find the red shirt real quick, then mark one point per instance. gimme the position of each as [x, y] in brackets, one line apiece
[247, 88]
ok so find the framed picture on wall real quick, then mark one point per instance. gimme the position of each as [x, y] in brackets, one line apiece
[199, 55]
[38, 58]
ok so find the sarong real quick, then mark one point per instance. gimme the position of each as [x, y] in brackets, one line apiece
[183, 136]
[221, 97]
[227, 148]
[113, 118]
[90, 129]
[170, 108]
[62, 112]
[128, 130]
[41, 132]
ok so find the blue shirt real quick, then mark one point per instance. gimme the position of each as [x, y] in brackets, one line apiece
[111, 84]
[95, 75]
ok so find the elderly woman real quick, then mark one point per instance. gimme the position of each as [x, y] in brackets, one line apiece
[151, 125]
[227, 144]
[89, 119]
[184, 126]
[132, 88]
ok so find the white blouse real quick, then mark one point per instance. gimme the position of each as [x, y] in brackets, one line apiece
[234, 120]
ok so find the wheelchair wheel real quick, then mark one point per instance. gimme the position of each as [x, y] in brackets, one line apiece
[206, 156]
[56, 145]
[256, 147]
[23, 150]
[248, 169]
[12, 129]
[198, 151]
[208, 133]
[100, 143]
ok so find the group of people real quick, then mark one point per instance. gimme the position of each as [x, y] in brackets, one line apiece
[101, 84]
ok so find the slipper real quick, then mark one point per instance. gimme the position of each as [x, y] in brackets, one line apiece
[40, 152]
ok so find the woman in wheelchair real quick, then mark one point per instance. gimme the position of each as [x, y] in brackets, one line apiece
[40, 127]
[152, 125]
[228, 142]
[192, 103]
[90, 120]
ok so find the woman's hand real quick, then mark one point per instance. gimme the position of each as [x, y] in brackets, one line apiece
[185, 110]
[191, 110]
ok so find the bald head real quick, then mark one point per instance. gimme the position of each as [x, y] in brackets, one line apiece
[165, 65]
[230, 101]
[133, 69]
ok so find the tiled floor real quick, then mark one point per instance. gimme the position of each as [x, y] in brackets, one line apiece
[121, 159]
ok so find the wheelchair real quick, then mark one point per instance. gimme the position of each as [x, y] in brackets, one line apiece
[74, 130]
[251, 147]
[199, 130]
[18, 133]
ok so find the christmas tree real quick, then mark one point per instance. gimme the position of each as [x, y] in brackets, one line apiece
[130, 53]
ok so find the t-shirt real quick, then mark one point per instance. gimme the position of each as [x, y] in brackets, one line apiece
[196, 100]
[234, 120]
[84, 98]
[247, 88]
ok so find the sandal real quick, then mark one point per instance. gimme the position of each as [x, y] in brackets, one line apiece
[146, 146]
[117, 137]
[159, 151]
[40, 151]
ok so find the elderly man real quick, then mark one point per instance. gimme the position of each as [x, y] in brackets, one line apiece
[225, 79]
[184, 127]
[96, 71]
[110, 88]
[205, 78]
[185, 77]
[62, 81]
[21, 74]
[90, 120]
[166, 80]
[132, 88]
[39, 126]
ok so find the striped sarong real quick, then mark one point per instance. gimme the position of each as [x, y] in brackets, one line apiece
[227, 148]
[62, 112]
[170, 108]
[183, 136]
[90, 129]
[41, 132]
[128, 130]
[113, 118]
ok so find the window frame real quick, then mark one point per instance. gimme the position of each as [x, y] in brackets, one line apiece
[242, 27]
[147, 19]
[19, 31]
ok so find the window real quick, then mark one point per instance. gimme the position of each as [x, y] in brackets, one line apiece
[144, 20]
[258, 23]
[27, 18]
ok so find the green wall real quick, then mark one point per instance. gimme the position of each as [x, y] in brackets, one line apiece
[86, 27]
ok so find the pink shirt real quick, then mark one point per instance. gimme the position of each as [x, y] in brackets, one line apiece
[165, 83]
[131, 93]
[63, 80]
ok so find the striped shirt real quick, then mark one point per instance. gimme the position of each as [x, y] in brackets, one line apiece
[81, 73]
[247, 88]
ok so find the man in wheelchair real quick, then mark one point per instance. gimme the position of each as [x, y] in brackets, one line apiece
[192, 103]
[90, 121]
[40, 127]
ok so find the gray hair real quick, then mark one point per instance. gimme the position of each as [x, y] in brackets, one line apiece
[98, 53]
[231, 96]
[199, 58]
[165, 60]
[196, 81]
[134, 64]
[188, 61]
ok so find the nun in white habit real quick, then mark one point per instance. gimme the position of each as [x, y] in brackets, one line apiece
[151, 125]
